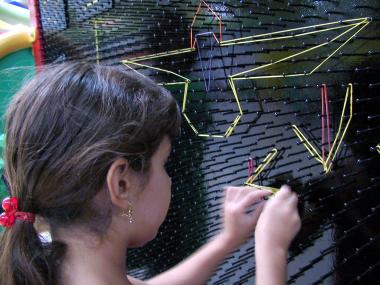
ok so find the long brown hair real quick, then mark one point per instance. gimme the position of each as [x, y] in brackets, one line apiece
[64, 129]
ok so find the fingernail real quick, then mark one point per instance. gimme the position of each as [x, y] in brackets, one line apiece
[286, 188]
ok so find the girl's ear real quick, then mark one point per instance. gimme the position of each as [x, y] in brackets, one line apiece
[120, 182]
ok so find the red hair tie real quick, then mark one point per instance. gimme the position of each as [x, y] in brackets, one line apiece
[11, 214]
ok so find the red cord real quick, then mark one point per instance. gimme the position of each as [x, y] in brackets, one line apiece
[325, 112]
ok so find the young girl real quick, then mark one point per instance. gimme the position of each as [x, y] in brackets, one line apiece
[85, 152]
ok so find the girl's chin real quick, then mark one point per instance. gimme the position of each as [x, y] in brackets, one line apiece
[142, 241]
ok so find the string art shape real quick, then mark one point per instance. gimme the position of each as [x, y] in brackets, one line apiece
[262, 166]
[204, 5]
[251, 166]
[333, 150]
[344, 27]
[206, 68]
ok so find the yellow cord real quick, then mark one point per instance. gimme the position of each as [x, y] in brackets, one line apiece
[271, 189]
[240, 41]
[307, 144]
[162, 54]
[295, 29]
[186, 83]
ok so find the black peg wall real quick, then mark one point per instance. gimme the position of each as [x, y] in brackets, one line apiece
[340, 239]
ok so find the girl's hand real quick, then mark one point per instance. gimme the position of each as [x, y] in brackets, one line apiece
[279, 221]
[238, 222]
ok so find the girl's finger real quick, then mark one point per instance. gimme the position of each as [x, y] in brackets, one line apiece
[293, 200]
[246, 190]
[250, 188]
[284, 193]
[253, 197]
[256, 214]
[243, 191]
[231, 193]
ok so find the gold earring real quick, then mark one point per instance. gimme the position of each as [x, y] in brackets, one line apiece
[129, 214]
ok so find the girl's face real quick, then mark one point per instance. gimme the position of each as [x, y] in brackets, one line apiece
[153, 201]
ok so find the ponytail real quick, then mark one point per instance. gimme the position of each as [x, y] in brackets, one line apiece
[23, 259]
